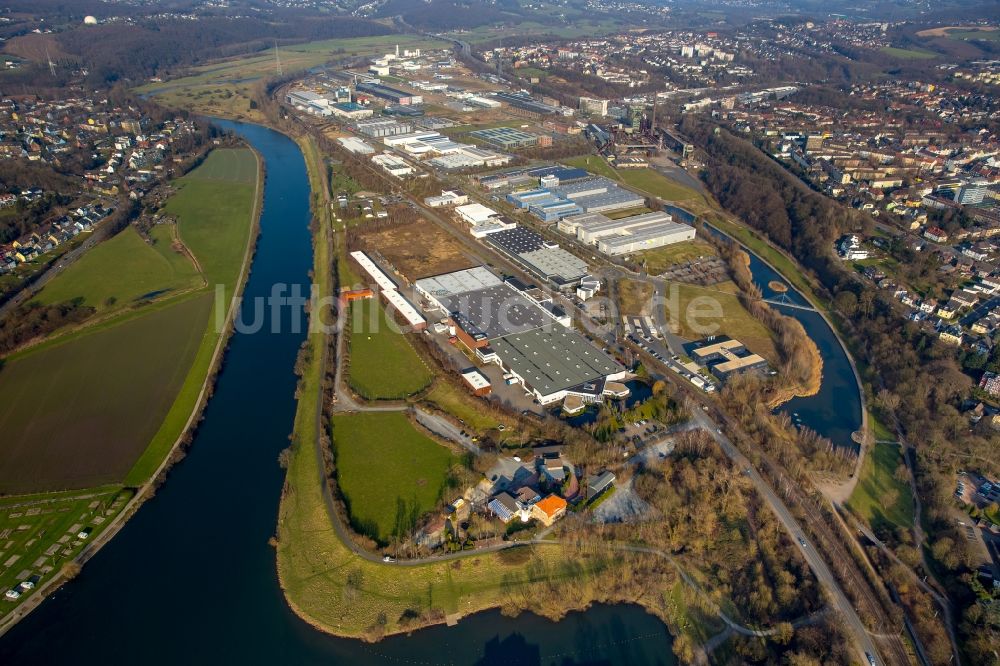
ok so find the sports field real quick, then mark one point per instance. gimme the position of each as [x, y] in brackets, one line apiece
[123, 271]
[383, 364]
[389, 473]
[79, 413]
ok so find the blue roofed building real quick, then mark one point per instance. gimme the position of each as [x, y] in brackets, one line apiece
[553, 211]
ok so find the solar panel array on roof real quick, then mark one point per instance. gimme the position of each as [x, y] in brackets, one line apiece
[562, 173]
[517, 241]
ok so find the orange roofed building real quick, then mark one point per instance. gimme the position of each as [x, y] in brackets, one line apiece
[549, 509]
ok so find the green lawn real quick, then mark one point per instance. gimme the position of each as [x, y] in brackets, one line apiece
[105, 404]
[908, 54]
[785, 266]
[967, 35]
[383, 364]
[225, 212]
[593, 164]
[124, 270]
[463, 405]
[658, 260]
[630, 212]
[212, 212]
[80, 411]
[694, 309]
[876, 487]
[655, 183]
[389, 472]
[880, 430]
[231, 165]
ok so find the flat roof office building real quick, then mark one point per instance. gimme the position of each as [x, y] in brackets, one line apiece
[724, 356]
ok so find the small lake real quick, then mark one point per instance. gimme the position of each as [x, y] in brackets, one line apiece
[638, 391]
[192, 579]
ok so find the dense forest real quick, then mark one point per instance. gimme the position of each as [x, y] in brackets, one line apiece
[118, 51]
[917, 379]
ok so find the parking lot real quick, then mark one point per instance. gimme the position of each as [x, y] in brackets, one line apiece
[644, 333]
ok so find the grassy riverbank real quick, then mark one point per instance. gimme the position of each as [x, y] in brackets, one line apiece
[337, 590]
[123, 392]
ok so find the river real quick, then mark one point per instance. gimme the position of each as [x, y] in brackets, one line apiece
[835, 411]
[192, 579]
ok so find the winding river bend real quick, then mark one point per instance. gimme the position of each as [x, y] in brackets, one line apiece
[191, 578]
[834, 411]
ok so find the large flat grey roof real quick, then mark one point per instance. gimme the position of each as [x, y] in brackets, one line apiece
[555, 261]
[554, 358]
[458, 282]
[494, 311]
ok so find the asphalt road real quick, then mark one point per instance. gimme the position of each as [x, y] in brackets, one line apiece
[28, 292]
[859, 634]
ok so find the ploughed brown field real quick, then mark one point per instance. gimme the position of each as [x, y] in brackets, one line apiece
[70, 412]
[419, 250]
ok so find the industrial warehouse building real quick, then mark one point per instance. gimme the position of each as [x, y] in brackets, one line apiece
[627, 234]
[509, 138]
[508, 323]
[589, 195]
[351, 111]
[542, 258]
[451, 154]
[307, 100]
[356, 145]
[391, 94]
[523, 104]
[394, 165]
[598, 195]
[382, 127]
[388, 290]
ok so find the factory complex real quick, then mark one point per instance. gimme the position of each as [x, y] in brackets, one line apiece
[555, 200]
[628, 234]
[519, 328]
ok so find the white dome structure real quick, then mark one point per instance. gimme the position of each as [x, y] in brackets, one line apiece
[89, 20]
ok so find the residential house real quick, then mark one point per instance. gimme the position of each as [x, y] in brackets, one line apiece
[936, 234]
[598, 484]
[549, 509]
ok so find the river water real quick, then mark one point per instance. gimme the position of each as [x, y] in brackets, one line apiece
[191, 578]
[835, 411]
